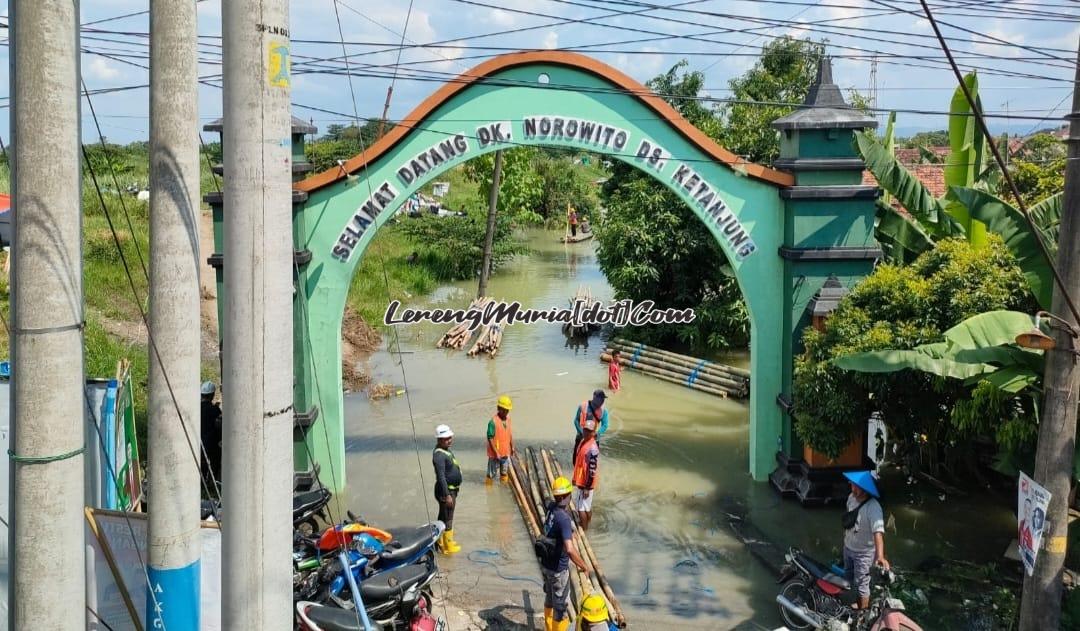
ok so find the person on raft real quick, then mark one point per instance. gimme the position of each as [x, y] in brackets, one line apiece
[590, 409]
[573, 218]
[594, 615]
[447, 483]
[556, 568]
[500, 441]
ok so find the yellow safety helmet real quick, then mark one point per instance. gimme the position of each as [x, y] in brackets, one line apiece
[505, 403]
[561, 486]
[594, 608]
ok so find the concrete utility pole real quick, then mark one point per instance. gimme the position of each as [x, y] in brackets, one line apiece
[489, 236]
[257, 384]
[1040, 606]
[48, 404]
[174, 542]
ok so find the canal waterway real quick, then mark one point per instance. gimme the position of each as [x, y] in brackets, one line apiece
[673, 465]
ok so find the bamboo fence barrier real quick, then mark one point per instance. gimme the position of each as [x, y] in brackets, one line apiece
[724, 370]
[697, 374]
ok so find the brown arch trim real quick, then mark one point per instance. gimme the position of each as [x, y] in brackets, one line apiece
[561, 58]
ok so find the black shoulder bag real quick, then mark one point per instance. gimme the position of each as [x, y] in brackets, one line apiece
[545, 547]
[851, 517]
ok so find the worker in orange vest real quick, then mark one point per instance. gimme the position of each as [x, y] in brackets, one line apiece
[500, 441]
[586, 476]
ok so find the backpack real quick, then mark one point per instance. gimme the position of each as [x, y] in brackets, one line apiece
[547, 548]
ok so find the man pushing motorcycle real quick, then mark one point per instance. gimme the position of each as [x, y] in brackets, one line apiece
[864, 533]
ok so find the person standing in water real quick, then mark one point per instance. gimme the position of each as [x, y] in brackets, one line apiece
[500, 441]
[614, 371]
[447, 482]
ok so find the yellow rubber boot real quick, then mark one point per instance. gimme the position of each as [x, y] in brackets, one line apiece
[561, 625]
[452, 546]
[505, 479]
[549, 619]
[488, 481]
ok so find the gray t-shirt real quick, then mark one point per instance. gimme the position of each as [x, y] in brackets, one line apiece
[871, 520]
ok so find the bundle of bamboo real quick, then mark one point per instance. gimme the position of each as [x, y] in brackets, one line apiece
[698, 374]
[532, 490]
[460, 334]
[488, 342]
[583, 295]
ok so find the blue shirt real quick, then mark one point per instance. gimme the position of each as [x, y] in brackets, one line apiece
[557, 526]
[603, 419]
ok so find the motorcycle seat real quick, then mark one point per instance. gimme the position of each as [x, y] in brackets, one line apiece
[304, 501]
[386, 585]
[819, 571]
[407, 544]
[335, 619]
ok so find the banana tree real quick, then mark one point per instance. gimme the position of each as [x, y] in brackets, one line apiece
[931, 218]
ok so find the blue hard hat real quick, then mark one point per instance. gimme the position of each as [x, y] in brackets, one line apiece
[864, 480]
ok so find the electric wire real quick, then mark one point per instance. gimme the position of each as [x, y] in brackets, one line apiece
[973, 104]
[397, 340]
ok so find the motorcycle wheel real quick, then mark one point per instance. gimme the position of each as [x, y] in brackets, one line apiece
[799, 593]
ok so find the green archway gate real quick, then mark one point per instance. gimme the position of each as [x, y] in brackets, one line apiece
[785, 233]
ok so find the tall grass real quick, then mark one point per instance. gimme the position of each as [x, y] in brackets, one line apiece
[385, 274]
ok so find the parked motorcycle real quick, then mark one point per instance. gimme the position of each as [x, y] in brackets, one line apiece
[306, 507]
[815, 597]
[398, 599]
[369, 558]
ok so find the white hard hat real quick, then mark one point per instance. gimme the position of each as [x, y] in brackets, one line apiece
[443, 431]
[208, 387]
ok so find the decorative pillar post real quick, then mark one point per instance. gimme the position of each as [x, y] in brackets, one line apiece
[828, 246]
[304, 398]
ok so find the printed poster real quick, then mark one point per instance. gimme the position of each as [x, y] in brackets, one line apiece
[1031, 504]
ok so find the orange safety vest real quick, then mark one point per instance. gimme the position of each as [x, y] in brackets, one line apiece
[502, 438]
[581, 466]
[583, 413]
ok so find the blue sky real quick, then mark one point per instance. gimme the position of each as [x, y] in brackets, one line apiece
[688, 30]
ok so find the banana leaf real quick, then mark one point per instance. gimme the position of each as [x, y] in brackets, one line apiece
[1002, 218]
[928, 157]
[993, 328]
[967, 155]
[889, 142]
[901, 239]
[930, 358]
[1047, 216]
[906, 188]
[1011, 379]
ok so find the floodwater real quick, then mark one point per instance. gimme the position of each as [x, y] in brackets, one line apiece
[673, 465]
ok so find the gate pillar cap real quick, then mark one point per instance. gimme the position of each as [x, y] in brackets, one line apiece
[824, 107]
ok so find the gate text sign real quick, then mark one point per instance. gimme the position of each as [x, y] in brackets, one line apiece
[550, 129]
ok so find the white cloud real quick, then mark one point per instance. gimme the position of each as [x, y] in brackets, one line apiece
[505, 19]
[101, 69]
[551, 40]
[987, 45]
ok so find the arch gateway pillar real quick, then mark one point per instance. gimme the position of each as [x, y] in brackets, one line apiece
[784, 232]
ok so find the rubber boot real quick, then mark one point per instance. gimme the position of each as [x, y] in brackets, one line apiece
[549, 619]
[452, 546]
[488, 481]
[504, 479]
[561, 625]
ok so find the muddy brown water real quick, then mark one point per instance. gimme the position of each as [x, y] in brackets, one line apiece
[673, 465]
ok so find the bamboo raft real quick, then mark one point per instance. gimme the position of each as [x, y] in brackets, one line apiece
[697, 374]
[581, 236]
[488, 342]
[532, 490]
[583, 294]
[459, 335]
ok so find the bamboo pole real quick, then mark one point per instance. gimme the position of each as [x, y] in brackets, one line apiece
[737, 385]
[679, 373]
[590, 554]
[722, 370]
[679, 380]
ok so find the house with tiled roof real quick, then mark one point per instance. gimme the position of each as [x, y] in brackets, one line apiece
[932, 176]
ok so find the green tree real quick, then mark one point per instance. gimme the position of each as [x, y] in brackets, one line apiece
[453, 247]
[653, 247]
[900, 308]
[563, 183]
[782, 74]
[937, 138]
[520, 186]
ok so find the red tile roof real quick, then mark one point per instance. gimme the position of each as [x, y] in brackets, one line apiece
[932, 177]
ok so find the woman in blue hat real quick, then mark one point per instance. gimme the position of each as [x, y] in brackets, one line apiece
[864, 533]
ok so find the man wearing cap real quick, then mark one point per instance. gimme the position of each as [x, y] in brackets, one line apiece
[500, 441]
[447, 483]
[210, 426]
[593, 409]
[864, 541]
[586, 462]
